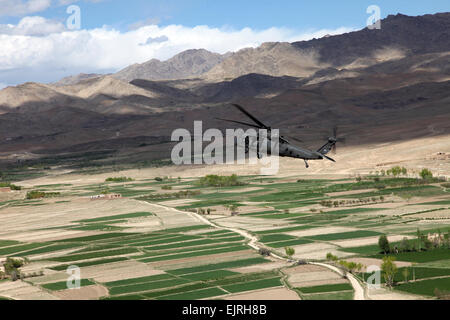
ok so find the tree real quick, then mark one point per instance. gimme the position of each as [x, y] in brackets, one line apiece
[389, 269]
[383, 243]
[289, 252]
[404, 171]
[352, 266]
[331, 257]
[426, 174]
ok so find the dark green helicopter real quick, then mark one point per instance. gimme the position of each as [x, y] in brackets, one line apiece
[285, 147]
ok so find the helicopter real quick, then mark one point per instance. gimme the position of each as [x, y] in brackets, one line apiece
[285, 147]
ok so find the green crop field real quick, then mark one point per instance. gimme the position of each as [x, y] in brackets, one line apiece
[426, 287]
[56, 286]
[194, 260]
[423, 256]
[346, 295]
[282, 244]
[13, 250]
[195, 295]
[93, 255]
[345, 235]
[222, 265]
[209, 275]
[147, 279]
[276, 237]
[146, 286]
[253, 285]
[89, 263]
[194, 254]
[117, 217]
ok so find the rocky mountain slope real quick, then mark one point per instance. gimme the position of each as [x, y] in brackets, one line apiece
[184, 65]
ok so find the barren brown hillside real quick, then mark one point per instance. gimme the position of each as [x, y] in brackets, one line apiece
[394, 91]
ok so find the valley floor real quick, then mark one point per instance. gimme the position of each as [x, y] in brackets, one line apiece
[158, 241]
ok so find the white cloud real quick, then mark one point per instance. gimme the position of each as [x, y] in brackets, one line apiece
[20, 7]
[102, 49]
[33, 26]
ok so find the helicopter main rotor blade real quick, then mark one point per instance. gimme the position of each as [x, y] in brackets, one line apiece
[250, 116]
[239, 122]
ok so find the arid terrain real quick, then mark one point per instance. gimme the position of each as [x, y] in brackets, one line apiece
[86, 178]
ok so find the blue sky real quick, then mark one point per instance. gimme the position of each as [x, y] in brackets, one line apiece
[37, 46]
[257, 14]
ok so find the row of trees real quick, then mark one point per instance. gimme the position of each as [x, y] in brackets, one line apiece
[397, 171]
[183, 194]
[348, 266]
[338, 203]
[204, 211]
[35, 194]
[388, 267]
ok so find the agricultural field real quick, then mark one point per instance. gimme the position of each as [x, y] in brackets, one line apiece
[182, 238]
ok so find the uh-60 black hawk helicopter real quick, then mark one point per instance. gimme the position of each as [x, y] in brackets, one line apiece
[285, 147]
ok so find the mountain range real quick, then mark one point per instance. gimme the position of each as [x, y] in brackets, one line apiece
[392, 80]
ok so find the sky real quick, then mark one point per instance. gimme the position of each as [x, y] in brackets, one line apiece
[45, 40]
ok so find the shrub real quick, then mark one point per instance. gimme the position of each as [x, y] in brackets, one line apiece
[289, 251]
[35, 195]
[166, 187]
[426, 174]
[331, 257]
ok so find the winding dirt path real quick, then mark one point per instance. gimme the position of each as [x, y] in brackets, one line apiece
[357, 287]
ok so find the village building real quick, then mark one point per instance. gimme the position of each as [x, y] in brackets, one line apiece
[106, 196]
